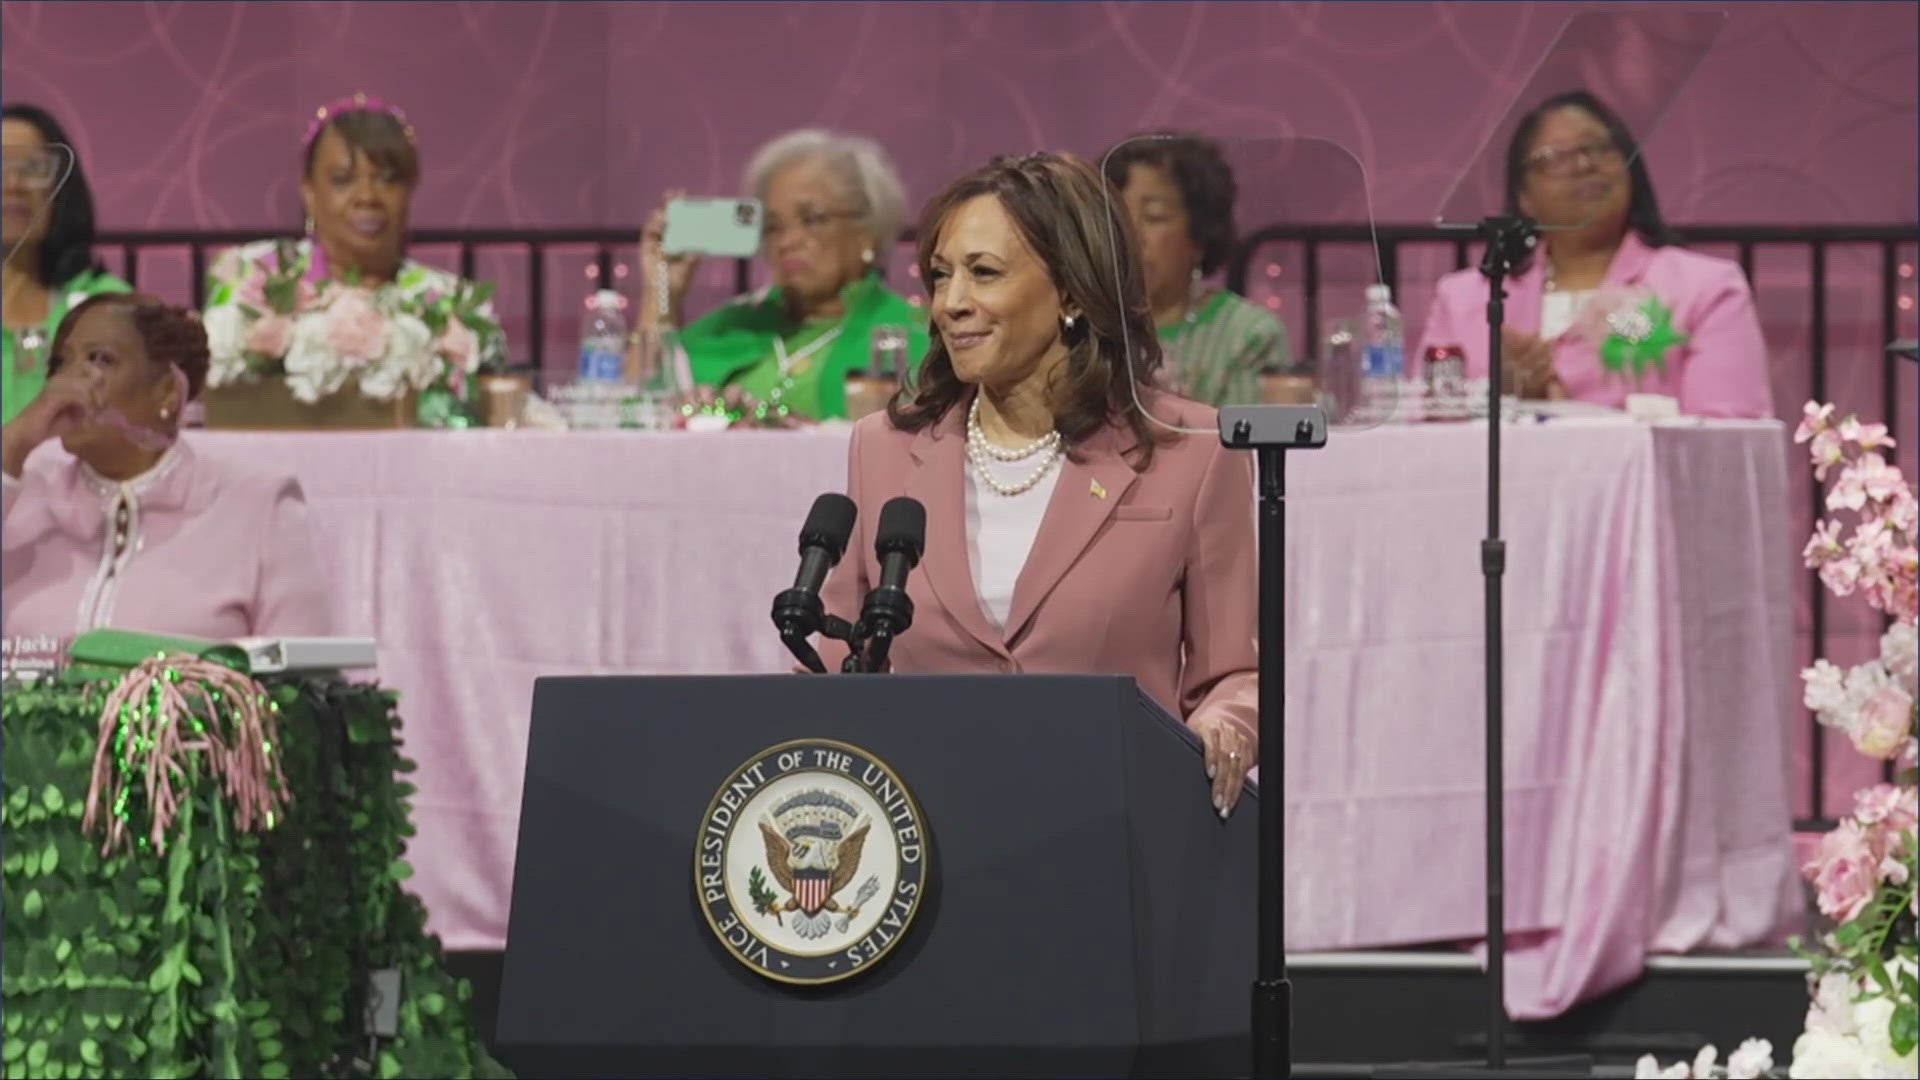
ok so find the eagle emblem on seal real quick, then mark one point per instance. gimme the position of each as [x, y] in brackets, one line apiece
[814, 839]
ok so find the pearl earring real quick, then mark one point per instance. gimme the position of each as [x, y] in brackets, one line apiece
[166, 413]
[1066, 322]
[866, 256]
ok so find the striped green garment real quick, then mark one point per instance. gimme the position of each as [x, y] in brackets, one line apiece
[1216, 354]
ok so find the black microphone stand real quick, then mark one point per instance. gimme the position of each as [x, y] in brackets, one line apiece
[1509, 237]
[799, 614]
[1270, 431]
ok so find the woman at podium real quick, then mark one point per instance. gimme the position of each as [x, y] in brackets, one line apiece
[1606, 305]
[1067, 531]
[129, 527]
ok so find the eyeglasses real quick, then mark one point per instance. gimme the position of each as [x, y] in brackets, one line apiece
[33, 170]
[1564, 160]
[810, 222]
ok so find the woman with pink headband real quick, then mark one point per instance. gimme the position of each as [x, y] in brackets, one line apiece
[129, 527]
[344, 307]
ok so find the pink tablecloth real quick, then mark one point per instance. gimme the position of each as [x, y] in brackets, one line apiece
[1648, 658]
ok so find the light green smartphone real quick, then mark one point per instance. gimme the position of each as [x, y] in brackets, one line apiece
[725, 227]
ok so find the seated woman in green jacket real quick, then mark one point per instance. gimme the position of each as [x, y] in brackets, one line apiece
[50, 266]
[833, 208]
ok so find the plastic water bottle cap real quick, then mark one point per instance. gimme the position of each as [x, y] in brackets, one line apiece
[1379, 294]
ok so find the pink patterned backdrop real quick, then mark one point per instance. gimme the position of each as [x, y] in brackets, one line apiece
[187, 115]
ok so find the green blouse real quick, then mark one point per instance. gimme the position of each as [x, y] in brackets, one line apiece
[20, 382]
[1216, 354]
[740, 344]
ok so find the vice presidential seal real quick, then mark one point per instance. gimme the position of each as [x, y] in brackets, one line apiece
[811, 862]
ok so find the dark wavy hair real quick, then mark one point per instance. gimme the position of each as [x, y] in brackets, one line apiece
[1059, 206]
[1643, 209]
[1205, 180]
[66, 248]
[171, 334]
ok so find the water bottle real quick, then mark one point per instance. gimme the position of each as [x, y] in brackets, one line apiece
[1382, 353]
[603, 338]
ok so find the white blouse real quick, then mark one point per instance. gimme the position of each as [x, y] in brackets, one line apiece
[1558, 310]
[1001, 530]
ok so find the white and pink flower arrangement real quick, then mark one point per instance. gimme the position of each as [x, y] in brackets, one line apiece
[1862, 1021]
[270, 316]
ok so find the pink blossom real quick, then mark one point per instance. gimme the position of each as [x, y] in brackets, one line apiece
[1868, 480]
[1845, 871]
[270, 335]
[1884, 722]
[1824, 546]
[1888, 804]
[1827, 451]
[1869, 436]
[355, 327]
[1880, 480]
[1840, 575]
[1814, 419]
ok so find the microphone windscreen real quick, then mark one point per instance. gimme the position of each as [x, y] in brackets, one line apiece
[903, 527]
[829, 524]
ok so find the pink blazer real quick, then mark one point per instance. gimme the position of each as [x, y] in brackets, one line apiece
[1155, 578]
[217, 551]
[1720, 371]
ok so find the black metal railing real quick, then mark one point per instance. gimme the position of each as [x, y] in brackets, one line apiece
[535, 245]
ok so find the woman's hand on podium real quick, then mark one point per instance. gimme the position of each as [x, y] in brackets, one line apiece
[1229, 756]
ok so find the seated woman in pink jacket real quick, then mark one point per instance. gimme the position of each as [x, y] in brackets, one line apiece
[130, 528]
[1066, 531]
[1606, 307]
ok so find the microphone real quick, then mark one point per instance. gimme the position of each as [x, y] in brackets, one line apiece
[797, 611]
[888, 611]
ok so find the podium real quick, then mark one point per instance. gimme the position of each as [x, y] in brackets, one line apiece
[1083, 912]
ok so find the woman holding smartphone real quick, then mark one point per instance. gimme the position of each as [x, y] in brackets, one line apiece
[833, 205]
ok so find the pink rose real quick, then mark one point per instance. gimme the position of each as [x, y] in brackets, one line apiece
[355, 328]
[458, 345]
[1845, 871]
[252, 291]
[1884, 722]
[270, 336]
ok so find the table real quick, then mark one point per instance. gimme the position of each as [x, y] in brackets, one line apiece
[1649, 657]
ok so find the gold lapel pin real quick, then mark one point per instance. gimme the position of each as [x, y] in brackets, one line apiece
[1098, 491]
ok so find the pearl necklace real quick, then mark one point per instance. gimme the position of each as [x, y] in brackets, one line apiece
[981, 453]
